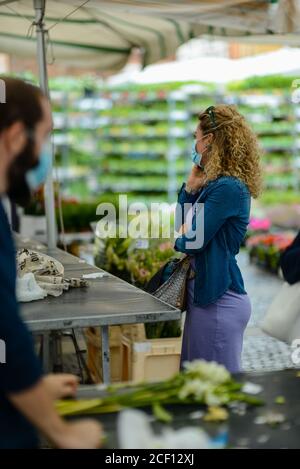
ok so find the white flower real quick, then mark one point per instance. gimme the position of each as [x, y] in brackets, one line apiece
[251, 388]
[208, 371]
[195, 388]
[203, 391]
[213, 400]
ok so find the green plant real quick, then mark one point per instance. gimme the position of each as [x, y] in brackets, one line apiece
[78, 216]
[271, 197]
[267, 82]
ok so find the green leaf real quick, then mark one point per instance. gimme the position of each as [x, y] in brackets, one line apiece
[280, 400]
[72, 407]
[161, 414]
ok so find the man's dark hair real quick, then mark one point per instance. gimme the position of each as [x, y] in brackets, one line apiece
[23, 103]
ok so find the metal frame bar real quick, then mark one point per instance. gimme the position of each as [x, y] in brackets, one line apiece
[105, 354]
[39, 6]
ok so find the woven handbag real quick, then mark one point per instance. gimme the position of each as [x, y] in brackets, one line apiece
[173, 290]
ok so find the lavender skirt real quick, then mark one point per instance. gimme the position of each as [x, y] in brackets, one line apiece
[215, 332]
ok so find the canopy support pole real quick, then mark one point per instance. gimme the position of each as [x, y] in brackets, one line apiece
[39, 6]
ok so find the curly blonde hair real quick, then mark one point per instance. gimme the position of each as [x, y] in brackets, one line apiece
[234, 150]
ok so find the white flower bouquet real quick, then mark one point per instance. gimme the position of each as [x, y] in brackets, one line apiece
[200, 382]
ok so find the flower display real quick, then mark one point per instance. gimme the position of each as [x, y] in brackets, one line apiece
[144, 263]
[266, 249]
[259, 224]
[280, 241]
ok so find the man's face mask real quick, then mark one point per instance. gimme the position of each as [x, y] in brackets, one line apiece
[28, 172]
[37, 176]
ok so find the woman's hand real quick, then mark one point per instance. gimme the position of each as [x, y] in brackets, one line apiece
[196, 179]
[183, 229]
[61, 385]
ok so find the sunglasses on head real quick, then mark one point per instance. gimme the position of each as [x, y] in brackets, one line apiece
[211, 113]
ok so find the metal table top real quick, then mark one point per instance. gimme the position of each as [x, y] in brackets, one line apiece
[243, 429]
[107, 301]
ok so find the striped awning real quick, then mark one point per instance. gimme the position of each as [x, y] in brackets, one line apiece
[102, 34]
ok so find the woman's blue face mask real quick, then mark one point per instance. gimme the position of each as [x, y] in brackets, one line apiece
[37, 176]
[196, 156]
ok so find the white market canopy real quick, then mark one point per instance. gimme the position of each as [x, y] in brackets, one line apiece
[101, 34]
[214, 69]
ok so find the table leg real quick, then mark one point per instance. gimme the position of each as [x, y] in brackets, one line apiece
[46, 353]
[105, 354]
[56, 352]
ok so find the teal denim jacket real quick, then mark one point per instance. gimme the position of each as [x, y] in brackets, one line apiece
[226, 208]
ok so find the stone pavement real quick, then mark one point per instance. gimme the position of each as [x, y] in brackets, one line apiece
[261, 352]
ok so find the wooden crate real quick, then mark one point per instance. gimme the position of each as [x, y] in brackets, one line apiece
[135, 332]
[94, 353]
[149, 359]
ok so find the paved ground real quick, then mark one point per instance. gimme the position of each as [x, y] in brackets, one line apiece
[261, 353]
